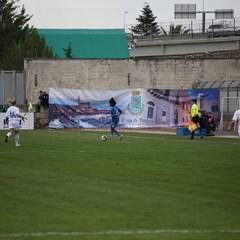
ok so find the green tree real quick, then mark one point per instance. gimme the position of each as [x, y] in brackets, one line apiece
[68, 51]
[178, 29]
[17, 40]
[31, 46]
[13, 25]
[147, 25]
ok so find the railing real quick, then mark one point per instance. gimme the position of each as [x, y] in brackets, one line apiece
[189, 29]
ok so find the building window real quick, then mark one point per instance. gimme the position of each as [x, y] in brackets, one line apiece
[151, 106]
[150, 112]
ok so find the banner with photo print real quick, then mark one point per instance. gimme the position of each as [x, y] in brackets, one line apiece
[142, 108]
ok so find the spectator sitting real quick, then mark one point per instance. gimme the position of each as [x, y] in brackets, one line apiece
[207, 122]
[211, 121]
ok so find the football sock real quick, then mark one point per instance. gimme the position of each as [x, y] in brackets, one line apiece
[17, 138]
[192, 134]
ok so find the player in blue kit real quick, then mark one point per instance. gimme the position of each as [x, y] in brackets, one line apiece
[115, 112]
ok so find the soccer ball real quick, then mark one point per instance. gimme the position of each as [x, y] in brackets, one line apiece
[104, 137]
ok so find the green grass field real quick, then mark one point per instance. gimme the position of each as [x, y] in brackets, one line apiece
[71, 185]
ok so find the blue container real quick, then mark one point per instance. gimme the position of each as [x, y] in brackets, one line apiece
[184, 131]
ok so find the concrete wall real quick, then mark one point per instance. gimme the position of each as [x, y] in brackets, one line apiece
[120, 74]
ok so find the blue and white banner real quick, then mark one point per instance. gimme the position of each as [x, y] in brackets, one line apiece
[142, 108]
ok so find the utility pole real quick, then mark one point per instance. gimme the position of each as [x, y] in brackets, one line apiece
[124, 18]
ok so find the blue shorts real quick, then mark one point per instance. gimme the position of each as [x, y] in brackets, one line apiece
[114, 122]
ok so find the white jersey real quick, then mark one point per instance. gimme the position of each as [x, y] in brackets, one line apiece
[236, 117]
[12, 114]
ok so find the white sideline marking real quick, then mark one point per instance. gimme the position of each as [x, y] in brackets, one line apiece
[141, 232]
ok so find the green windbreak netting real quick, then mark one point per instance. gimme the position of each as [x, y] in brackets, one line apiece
[86, 43]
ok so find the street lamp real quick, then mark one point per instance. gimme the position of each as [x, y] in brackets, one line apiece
[124, 16]
[203, 18]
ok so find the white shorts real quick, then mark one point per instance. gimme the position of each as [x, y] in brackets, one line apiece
[14, 125]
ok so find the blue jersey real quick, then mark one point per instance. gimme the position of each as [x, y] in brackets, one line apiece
[115, 111]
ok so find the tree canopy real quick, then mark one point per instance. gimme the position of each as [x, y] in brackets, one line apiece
[17, 39]
[147, 25]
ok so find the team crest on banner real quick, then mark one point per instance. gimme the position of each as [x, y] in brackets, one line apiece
[136, 107]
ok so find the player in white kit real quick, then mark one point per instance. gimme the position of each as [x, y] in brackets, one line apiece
[13, 117]
[235, 120]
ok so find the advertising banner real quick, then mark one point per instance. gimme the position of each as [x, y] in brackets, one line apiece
[142, 108]
[28, 124]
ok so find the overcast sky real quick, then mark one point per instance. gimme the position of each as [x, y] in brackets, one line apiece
[78, 13]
